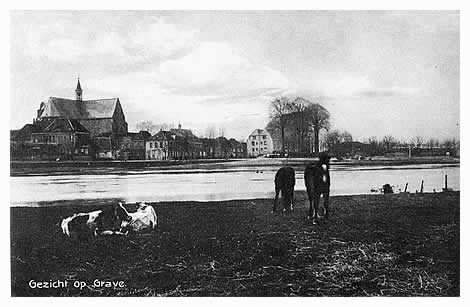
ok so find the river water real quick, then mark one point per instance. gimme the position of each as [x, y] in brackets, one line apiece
[224, 184]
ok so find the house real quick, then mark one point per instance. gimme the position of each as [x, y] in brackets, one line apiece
[132, 146]
[238, 149]
[104, 146]
[157, 146]
[97, 116]
[185, 144]
[21, 141]
[259, 142]
[52, 139]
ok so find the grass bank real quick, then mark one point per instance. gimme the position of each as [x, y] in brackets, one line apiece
[42, 168]
[386, 245]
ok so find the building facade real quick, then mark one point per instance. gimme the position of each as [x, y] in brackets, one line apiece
[157, 146]
[97, 116]
[259, 142]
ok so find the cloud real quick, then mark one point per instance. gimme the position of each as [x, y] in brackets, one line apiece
[215, 68]
[346, 85]
[68, 42]
[161, 39]
[387, 92]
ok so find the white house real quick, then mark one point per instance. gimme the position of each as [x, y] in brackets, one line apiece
[259, 142]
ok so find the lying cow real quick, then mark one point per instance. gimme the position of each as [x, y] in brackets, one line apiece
[144, 218]
[99, 222]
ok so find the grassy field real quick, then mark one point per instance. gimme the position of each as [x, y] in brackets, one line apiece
[374, 245]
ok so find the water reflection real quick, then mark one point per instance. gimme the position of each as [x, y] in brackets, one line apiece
[207, 185]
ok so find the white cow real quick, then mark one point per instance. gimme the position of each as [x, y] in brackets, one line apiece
[144, 218]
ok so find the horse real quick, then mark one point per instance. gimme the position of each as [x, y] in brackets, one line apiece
[317, 182]
[284, 182]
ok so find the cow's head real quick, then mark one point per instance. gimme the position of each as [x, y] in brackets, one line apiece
[123, 217]
[121, 213]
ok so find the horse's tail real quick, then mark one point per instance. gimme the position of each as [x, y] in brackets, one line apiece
[309, 180]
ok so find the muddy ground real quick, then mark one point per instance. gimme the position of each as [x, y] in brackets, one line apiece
[373, 245]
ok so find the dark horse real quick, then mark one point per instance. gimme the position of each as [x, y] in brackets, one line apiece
[317, 182]
[284, 182]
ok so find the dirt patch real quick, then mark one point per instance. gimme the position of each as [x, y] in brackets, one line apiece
[385, 245]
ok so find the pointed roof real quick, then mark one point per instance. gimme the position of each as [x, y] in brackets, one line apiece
[87, 109]
[79, 87]
[65, 125]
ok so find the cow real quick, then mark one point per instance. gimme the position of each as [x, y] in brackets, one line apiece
[317, 182]
[99, 222]
[144, 218]
[284, 182]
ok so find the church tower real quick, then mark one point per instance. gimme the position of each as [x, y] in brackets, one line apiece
[78, 91]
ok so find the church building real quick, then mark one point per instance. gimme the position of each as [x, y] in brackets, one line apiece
[98, 116]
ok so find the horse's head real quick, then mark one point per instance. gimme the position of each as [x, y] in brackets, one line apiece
[324, 161]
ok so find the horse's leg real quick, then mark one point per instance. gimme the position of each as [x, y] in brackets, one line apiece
[276, 198]
[326, 202]
[287, 199]
[292, 198]
[316, 202]
[310, 200]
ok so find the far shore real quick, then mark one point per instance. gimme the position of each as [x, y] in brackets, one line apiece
[27, 168]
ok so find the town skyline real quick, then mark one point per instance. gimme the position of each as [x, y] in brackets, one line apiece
[176, 67]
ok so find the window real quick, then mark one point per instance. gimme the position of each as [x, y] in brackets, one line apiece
[253, 143]
[265, 143]
[264, 137]
[150, 144]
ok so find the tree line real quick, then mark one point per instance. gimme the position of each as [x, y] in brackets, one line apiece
[297, 123]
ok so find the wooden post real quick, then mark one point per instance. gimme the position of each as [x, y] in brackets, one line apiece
[445, 188]
[422, 184]
[406, 187]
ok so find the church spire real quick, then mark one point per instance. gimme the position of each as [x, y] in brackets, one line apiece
[78, 91]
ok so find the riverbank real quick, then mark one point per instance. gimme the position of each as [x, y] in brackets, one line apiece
[386, 245]
[43, 168]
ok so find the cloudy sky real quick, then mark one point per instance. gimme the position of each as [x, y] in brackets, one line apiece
[378, 73]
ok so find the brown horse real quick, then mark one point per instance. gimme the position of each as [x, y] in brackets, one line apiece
[284, 182]
[317, 182]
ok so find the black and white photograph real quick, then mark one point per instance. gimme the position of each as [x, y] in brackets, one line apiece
[234, 153]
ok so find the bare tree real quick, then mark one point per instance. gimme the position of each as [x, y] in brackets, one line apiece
[210, 132]
[162, 126]
[319, 118]
[335, 137]
[332, 138]
[146, 125]
[388, 142]
[300, 121]
[418, 141]
[280, 109]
